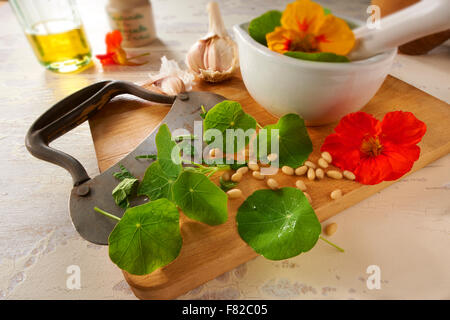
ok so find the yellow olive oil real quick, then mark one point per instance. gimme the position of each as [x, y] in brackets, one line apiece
[60, 45]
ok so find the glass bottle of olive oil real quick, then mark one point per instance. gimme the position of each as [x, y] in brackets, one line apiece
[59, 45]
[55, 33]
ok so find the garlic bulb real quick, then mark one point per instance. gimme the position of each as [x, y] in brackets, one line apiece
[214, 57]
[171, 79]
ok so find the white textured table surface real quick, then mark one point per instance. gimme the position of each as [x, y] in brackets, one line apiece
[405, 229]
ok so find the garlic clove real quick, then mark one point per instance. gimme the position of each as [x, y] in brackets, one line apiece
[214, 57]
[194, 57]
[219, 54]
[171, 79]
[171, 85]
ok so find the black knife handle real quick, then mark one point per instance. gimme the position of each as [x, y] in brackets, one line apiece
[73, 111]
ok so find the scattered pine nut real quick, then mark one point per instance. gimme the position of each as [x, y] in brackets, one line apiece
[242, 170]
[319, 173]
[336, 194]
[327, 156]
[331, 229]
[310, 164]
[334, 174]
[300, 184]
[214, 152]
[234, 193]
[272, 157]
[253, 166]
[236, 177]
[301, 170]
[322, 163]
[226, 176]
[308, 197]
[349, 175]
[287, 170]
[272, 183]
[257, 175]
[311, 174]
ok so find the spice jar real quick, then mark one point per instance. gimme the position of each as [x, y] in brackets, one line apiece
[134, 19]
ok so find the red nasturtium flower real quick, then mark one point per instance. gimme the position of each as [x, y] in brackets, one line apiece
[115, 53]
[373, 150]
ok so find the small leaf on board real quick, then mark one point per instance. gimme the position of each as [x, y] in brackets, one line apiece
[226, 185]
[293, 140]
[317, 56]
[262, 25]
[146, 238]
[278, 224]
[123, 191]
[228, 115]
[200, 199]
[123, 173]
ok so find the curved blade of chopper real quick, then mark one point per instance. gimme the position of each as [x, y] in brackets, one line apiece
[97, 192]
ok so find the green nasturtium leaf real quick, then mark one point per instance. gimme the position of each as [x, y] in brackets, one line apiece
[264, 24]
[294, 144]
[156, 183]
[228, 115]
[278, 224]
[146, 238]
[161, 174]
[123, 191]
[326, 11]
[317, 56]
[168, 152]
[200, 199]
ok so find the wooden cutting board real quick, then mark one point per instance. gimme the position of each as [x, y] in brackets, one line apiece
[211, 251]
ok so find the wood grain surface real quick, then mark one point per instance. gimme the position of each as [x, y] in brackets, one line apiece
[210, 251]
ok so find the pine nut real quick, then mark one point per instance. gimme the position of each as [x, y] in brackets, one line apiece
[234, 193]
[242, 170]
[287, 170]
[257, 175]
[327, 156]
[236, 177]
[253, 166]
[272, 157]
[349, 175]
[300, 184]
[308, 197]
[336, 194]
[272, 183]
[319, 173]
[322, 163]
[214, 152]
[331, 229]
[301, 170]
[310, 164]
[311, 174]
[334, 174]
[226, 176]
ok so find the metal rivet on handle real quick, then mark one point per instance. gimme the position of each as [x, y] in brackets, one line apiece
[83, 190]
[183, 96]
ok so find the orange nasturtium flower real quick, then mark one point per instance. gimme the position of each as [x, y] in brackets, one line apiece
[306, 28]
[115, 53]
